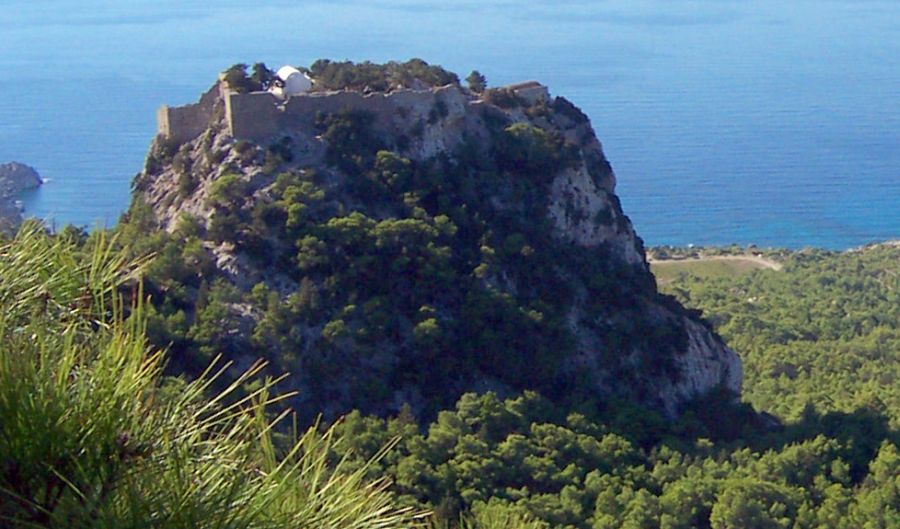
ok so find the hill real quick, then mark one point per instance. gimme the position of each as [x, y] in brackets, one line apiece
[406, 242]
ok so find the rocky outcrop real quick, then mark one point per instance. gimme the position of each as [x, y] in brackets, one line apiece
[705, 364]
[15, 177]
[632, 342]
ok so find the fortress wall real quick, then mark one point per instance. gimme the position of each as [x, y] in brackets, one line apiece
[252, 116]
[302, 110]
[259, 116]
[394, 111]
[181, 124]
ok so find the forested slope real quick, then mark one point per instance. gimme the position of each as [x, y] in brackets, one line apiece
[821, 353]
[823, 332]
[93, 437]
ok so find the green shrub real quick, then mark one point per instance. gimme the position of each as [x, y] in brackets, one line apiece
[351, 140]
[186, 184]
[224, 226]
[282, 149]
[237, 79]
[476, 81]
[227, 192]
[524, 148]
[504, 98]
[347, 75]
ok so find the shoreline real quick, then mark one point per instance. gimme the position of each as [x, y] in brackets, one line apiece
[668, 252]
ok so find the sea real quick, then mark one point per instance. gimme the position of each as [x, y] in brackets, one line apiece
[749, 122]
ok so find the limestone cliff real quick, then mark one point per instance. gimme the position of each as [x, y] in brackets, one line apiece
[513, 194]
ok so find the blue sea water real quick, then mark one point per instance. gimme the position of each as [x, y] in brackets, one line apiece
[767, 122]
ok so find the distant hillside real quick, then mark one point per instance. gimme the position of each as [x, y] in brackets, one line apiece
[390, 239]
[821, 333]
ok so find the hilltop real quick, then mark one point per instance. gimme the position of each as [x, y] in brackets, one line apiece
[393, 238]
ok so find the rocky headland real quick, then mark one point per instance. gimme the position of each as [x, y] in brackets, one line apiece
[15, 177]
[415, 242]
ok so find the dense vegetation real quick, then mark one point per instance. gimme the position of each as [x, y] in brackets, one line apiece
[823, 333]
[833, 463]
[237, 79]
[524, 455]
[414, 73]
[347, 75]
[94, 437]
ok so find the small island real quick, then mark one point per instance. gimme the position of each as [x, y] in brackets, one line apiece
[15, 178]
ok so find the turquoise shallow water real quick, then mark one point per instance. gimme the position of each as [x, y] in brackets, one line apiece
[760, 122]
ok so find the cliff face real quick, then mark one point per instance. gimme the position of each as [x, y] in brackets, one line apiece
[509, 192]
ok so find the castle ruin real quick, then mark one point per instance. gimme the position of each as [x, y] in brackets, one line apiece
[262, 116]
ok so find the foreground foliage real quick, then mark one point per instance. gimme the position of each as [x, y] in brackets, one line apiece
[91, 438]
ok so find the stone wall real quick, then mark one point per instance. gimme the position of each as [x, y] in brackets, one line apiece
[530, 91]
[181, 124]
[533, 92]
[253, 116]
[259, 116]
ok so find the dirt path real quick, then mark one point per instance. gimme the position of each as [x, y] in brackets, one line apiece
[761, 261]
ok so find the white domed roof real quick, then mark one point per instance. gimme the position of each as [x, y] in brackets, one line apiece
[294, 81]
[286, 71]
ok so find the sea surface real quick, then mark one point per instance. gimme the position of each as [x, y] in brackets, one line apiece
[767, 122]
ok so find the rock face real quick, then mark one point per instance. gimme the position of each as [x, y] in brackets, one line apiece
[626, 339]
[15, 177]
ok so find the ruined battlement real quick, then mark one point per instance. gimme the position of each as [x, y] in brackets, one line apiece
[184, 123]
[260, 116]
